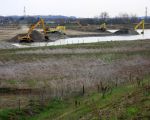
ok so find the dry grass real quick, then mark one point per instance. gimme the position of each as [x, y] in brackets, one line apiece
[61, 72]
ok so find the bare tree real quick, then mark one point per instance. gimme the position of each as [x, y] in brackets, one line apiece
[134, 18]
[124, 17]
[104, 16]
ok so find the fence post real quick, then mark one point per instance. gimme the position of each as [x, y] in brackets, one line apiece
[83, 90]
[116, 84]
[98, 88]
[19, 104]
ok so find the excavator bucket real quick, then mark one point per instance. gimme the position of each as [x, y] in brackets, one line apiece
[25, 39]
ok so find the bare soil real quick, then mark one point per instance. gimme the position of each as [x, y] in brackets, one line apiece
[11, 35]
[76, 33]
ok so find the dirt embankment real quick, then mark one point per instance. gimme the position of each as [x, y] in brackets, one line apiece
[75, 33]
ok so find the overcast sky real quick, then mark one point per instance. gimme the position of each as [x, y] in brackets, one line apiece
[79, 8]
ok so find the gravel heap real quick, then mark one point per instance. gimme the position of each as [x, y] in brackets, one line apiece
[126, 31]
[39, 37]
[35, 35]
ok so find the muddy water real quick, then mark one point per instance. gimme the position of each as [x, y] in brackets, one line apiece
[89, 40]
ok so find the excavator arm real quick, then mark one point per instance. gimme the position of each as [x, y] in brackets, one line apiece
[44, 29]
[27, 36]
[141, 24]
[78, 22]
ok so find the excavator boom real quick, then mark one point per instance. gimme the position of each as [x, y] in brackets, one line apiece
[27, 37]
[142, 24]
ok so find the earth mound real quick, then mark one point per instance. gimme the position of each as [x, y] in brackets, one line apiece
[39, 37]
[35, 35]
[126, 31]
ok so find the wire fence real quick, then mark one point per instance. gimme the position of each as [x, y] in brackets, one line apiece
[20, 98]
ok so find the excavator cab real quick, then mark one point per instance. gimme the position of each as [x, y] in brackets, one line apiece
[103, 27]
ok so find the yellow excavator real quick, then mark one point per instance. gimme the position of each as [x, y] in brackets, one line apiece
[61, 28]
[57, 29]
[141, 24]
[78, 22]
[103, 27]
[28, 38]
[80, 25]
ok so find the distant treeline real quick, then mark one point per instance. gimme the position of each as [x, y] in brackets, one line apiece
[116, 20]
[62, 20]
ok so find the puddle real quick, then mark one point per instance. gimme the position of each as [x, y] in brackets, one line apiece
[87, 40]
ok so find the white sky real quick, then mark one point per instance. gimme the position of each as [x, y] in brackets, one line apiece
[79, 8]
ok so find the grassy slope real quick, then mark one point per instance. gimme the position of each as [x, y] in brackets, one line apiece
[119, 100]
[9, 55]
[125, 102]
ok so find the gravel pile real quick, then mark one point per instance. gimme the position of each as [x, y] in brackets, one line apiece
[35, 35]
[39, 37]
[126, 31]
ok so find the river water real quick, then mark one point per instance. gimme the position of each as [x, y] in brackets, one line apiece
[88, 40]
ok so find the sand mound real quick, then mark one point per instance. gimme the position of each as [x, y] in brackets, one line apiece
[126, 31]
[35, 35]
[39, 37]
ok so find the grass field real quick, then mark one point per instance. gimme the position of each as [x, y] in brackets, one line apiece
[106, 80]
[131, 101]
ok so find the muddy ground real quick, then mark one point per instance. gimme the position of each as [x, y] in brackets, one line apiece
[10, 35]
[7, 35]
[7, 38]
